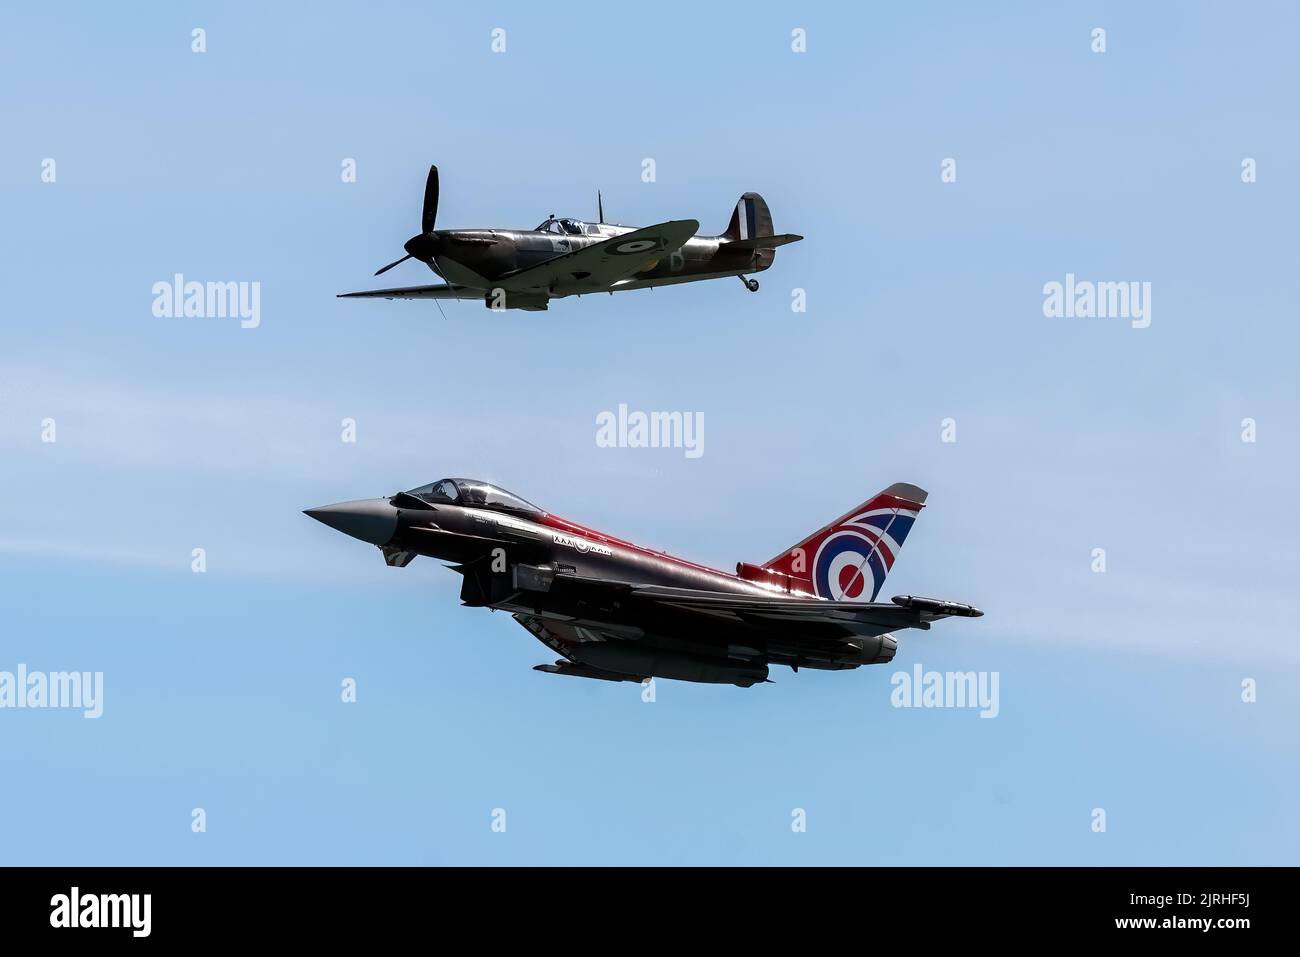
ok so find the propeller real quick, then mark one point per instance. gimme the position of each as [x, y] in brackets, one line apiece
[395, 262]
[421, 247]
[430, 212]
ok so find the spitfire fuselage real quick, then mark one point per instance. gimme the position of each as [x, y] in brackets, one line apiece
[493, 253]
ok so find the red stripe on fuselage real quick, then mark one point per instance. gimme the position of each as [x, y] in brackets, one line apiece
[563, 524]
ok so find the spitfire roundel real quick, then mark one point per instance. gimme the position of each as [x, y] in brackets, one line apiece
[634, 246]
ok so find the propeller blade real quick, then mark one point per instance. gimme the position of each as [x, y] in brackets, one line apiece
[430, 213]
[392, 264]
[421, 247]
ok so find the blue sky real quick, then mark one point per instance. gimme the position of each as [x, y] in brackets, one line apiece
[1119, 690]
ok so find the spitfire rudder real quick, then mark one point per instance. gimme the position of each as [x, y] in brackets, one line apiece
[750, 219]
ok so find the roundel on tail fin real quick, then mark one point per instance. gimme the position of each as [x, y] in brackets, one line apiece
[849, 559]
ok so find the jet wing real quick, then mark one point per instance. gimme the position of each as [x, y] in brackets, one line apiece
[781, 613]
[436, 291]
[600, 265]
[558, 636]
[833, 631]
[864, 619]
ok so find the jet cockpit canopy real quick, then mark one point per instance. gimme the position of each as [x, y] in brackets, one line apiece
[474, 494]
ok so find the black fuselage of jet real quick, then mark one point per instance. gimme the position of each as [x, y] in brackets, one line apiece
[617, 611]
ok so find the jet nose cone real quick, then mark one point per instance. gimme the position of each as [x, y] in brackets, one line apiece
[371, 520]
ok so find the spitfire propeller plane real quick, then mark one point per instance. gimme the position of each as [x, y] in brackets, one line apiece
[526, 268]
[615, 611]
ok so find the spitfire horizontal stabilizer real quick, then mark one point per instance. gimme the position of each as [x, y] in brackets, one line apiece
[763, 242]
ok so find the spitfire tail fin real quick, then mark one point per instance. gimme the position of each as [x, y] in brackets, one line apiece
[848, 559]
[750, 231]
[750, 219]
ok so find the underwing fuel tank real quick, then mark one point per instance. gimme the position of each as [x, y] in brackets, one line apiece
[627, 658]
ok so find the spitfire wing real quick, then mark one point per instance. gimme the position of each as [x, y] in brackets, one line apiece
[436, 291]
[599, 265]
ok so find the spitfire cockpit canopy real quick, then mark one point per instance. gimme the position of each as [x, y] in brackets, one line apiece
[568, 227]
[473, 493]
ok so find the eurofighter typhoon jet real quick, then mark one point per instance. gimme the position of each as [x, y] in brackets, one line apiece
[616, 611]
[527, 268]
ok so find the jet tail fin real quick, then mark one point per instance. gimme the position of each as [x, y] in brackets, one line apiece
[848, 559]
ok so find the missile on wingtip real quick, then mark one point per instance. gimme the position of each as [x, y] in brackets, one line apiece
[936, 606]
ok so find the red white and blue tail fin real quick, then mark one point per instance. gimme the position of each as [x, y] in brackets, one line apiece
[849, 558]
